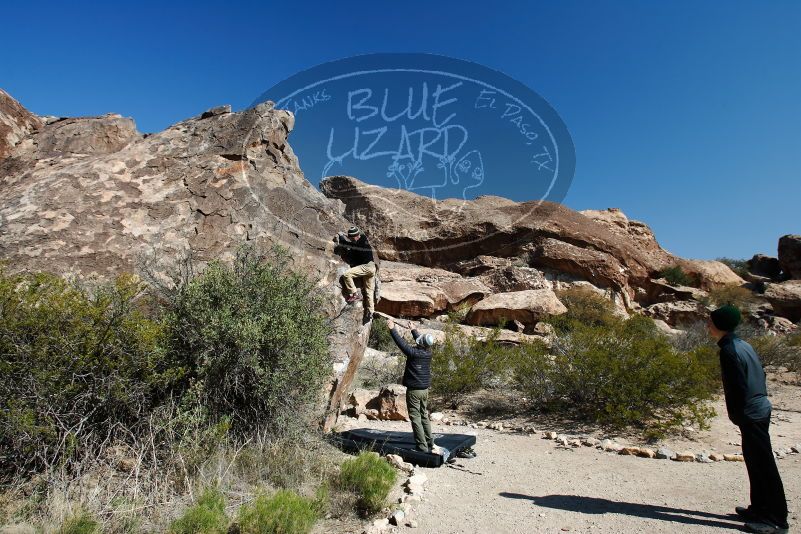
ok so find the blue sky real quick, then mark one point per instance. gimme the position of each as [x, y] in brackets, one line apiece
[686, 115]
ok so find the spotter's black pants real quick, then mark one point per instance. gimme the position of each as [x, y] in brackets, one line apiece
[767, 491]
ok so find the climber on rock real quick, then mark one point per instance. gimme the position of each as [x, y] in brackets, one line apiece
[358, 253]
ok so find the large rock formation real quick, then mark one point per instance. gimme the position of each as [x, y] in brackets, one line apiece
[91, 196]
[764, 267]
[790, 255]
[602, 247]
[785, 298]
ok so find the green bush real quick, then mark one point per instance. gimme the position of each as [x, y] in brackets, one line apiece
[370, 478]
[77, 367]
[462, 365]
[622, 375]
[286, 512]
[81, 523]
[255, 338]
[376, 374]
[206, 516]
[778, 351]
[740, 267]
[731, 294]
[676, 276]
[380, 336]
[584, 306]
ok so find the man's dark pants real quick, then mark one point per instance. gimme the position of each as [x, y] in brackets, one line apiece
[417, 404]
[767, 491]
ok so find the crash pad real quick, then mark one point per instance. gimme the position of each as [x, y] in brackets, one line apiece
[401, 443]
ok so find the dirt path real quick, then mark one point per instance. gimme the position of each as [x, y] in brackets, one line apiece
[525, 484]
[522, 484]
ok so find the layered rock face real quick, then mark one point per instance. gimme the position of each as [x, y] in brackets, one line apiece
[513, 247]
[91, 196]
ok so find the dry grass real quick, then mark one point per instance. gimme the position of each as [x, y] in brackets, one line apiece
[126, 494]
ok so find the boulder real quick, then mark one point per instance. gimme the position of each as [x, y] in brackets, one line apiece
[528, 307]
[392, 403]
[540, 333]
[785, 297]
[776, 325]
[600, 268]
[90, 197]
[666, 329]
[413, 291]
[710, 273]
[683, 457]
[362, 400]
[678, 313]
[617, 222]
[790, 255]
[480, 265]
[659, 290]
[663, 453]
[764, 266]
[515, 278]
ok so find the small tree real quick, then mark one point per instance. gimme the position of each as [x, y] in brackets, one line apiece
[77, 368]
[255, 338]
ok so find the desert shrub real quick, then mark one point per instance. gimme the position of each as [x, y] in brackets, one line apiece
[461, 365]
[693, 336]
[77, 368]
[626, 374]
[533, 369]
[255, 338]
[206, 516]
[731, 294]
[291, 462]
[777, 351]
[80, 523]
[584, 306]
[285, 512]
[375, 373]
[740, 267]
[380, 337]
[370, 478]
[676, 276]
[459, 314]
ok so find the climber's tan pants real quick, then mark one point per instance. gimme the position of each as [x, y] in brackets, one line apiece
[366, 272]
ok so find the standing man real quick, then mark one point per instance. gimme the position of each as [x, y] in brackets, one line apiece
[748, 407]
[357, 252]
[417, 379]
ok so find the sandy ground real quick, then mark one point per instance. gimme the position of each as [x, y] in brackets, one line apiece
[524, 484]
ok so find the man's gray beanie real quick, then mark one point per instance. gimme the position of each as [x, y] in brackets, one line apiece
[425, 341]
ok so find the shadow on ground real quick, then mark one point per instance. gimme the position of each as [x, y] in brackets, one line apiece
[593, 505]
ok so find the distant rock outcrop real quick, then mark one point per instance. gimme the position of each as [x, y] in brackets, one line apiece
[765, 267]
[785, 297]
[790, 255]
